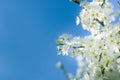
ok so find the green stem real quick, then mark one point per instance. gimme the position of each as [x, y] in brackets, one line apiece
[65, 72]
[118, 3]
[103, 3]
[100, 56]
[100, 22]
[79, 47]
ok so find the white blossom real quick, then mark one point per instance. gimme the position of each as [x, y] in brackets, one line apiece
[97, 55]
[59, 64]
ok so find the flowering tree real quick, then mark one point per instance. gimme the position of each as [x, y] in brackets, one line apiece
[98, 55]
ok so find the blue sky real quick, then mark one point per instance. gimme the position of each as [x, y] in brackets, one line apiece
[28, 30]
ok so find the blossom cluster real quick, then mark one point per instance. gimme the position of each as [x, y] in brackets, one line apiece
[98, 55]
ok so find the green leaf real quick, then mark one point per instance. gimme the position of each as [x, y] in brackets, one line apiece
[119, 32]
[110, 70]
[102, 69]
[107, 62]
[59, 42]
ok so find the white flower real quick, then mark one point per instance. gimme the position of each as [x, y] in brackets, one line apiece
[59, 64]
[93, 15]
[65, 49]
[77, 20]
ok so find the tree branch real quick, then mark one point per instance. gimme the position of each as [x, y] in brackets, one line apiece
[76, 1]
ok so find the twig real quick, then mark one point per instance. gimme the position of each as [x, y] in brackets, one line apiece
[76, 1]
